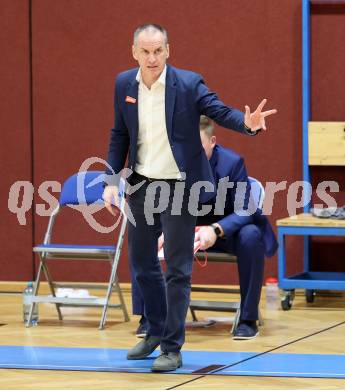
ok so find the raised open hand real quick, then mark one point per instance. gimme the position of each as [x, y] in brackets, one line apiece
[256, 119]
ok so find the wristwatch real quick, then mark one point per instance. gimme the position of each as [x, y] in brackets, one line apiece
[217, 230]
[249, 131]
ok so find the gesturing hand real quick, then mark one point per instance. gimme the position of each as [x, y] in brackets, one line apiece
[256, 119]
[111, 199]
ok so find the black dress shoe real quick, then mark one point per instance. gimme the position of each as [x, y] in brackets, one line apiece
[167, 361]
[144, 348]
[142, 328]
[246, 330]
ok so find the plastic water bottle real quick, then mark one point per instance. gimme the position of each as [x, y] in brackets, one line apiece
[27, 299]
[272, 294]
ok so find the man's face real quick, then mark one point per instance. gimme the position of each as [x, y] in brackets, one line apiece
[208, 143]
[151, 52]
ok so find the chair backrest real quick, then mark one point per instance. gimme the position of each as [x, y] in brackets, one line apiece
[83, 188]
[257, 192]
[86, 188]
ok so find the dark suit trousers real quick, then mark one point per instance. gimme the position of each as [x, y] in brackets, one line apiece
[248, 246]
[166, 300]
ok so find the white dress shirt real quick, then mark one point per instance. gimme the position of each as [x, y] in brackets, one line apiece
[154, 155]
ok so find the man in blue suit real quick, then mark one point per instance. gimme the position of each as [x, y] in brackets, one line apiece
[157, 110]
[250, 237]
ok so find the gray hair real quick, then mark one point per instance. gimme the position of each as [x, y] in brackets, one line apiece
[206, 125]
[151, 27]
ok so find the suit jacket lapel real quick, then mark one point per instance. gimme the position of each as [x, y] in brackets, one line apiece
[132, 108]
[170, 95]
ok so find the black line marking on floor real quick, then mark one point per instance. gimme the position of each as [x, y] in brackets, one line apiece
[207, 369]
[255, 356]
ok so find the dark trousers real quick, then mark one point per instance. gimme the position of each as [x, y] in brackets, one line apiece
[247, 245]
[166, 300]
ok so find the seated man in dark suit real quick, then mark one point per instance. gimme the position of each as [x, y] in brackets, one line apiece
[247, 235]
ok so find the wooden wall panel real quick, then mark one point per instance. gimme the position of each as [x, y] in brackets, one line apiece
[245, 51]
[79, 47]
[15, 146]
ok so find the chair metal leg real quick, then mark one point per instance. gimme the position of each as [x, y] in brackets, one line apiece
[105, 307]
[52, 289]
[195, 319]
[113, 282]
[113, 278]
[108, 295]
[236, 320]
[261, 320]
[36, 286]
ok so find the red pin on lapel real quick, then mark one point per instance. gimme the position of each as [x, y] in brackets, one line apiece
[130, 99]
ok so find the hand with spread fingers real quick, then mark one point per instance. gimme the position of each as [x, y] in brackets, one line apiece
[256, 120]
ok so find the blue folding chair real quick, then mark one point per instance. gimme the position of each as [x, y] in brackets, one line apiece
[257, 196]
[83, 188]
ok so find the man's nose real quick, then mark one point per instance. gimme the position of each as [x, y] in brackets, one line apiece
[152, 58]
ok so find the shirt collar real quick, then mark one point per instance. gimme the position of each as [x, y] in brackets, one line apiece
[160, 80]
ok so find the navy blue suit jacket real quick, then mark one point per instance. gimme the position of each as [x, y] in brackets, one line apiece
[226, 163]
[186, 98]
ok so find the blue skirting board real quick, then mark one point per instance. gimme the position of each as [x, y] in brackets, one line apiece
[194, 362]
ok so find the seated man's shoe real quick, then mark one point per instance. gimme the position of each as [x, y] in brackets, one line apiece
[167, 361]
[142, 328]
[144, 348]
[246, 330]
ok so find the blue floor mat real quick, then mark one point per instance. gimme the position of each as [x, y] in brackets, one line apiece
[194, 362]
[290, 365]
[98, 359]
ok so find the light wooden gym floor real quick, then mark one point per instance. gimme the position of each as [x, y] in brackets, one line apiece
[313, 328]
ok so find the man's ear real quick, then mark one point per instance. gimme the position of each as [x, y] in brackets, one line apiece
[134, 53]
[168, 50]
[213, 140]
